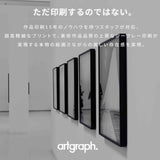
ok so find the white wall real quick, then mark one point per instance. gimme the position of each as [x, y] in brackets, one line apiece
[4, 63]
[40, 66]
[143, 88]
[18, 70]
[40, 79]
[39, 60]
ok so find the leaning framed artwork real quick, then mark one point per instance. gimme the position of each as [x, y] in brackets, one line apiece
[87, 88]
[72, 65]
[55, 73]
[63, 104]
[113, 89]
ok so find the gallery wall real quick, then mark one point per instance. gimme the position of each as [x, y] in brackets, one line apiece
[39, 60]
[143, 87]
[4, 63]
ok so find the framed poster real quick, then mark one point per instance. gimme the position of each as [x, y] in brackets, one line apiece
[63, 105]
[55, 72]
[113, 90]
[87, 88]
[72, 65]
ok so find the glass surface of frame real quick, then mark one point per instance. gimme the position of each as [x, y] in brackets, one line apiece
[87, 88]
[63, 88]
[73, 88]
[56, 88]
[113, 90]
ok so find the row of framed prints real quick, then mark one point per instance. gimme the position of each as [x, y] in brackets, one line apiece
[74, 84]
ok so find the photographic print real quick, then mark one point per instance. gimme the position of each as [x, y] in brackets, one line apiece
[56, 88]
[113, 90]
[63, 107]
[87, 87]
[73, 88]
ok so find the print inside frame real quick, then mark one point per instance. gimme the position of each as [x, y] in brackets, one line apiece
[87, 88]
[72, 65]
[113, 90]
[63, 97]
[55, 73]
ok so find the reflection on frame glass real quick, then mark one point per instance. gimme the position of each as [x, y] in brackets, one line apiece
[73, 88]
[87, 87]
[56, 88]
[113, 90]
[63, 106]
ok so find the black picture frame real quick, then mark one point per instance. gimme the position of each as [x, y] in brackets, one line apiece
[72, 74]
[109, 113]
[63, 97]
[55, 74]
[87, 88]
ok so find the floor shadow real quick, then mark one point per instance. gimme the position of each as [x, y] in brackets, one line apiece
[90, 131]
[121, 150]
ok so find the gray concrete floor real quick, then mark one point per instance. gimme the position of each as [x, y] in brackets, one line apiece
[34, 145]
